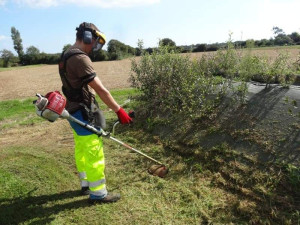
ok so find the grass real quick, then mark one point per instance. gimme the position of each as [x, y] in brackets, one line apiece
[278, 47]
[19, 67]
[22, 111]
[40, 184]
[17, 112]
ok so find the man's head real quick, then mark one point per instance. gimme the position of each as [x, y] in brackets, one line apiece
[89, 34]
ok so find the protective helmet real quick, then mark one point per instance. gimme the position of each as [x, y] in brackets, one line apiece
[88, 31]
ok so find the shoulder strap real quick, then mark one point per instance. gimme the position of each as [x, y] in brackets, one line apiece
[63, 63]
[67, 87]
[74, 51]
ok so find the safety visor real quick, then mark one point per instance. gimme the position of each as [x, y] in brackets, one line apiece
[100, 37]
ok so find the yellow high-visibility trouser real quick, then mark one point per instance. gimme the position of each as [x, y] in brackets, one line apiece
[89, 159]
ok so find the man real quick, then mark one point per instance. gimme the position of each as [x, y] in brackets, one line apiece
[79, 84]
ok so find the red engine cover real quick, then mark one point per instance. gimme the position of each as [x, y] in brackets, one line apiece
[57, 102]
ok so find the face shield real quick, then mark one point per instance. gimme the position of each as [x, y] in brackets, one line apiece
[100, 41]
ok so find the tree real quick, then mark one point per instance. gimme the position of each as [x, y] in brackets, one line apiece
[200, 48]
[262, 43]
[118, 50]
[295, 36]
[140, 49]
[100, 55]
[32, 56]
[16, 37]
[277, 31]
[282, 39]
[7, 56]
[167, 41]
[32, 51]
[66, 47]
[212, 47]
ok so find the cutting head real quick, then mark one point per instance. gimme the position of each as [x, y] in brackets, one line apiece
[158, 170]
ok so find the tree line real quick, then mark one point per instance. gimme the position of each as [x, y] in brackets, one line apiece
[117, 50]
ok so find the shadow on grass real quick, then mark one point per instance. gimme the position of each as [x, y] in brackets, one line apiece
[38, 209]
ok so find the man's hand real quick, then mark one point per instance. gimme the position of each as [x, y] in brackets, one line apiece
[124, 118]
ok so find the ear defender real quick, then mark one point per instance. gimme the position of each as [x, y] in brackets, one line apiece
[88, 33]
[87, 37]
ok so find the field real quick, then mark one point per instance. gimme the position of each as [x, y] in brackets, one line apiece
[39, 184]
[24, 83]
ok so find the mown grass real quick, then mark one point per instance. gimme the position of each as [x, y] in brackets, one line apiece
[17, 112]
[39, 184]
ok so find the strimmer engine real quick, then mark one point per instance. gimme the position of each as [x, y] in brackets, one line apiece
[51, 106]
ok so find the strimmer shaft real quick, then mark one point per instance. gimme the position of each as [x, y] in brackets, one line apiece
[107, 135]
[133, 149]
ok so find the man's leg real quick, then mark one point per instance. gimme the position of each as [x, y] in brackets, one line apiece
[90, 159]
[94, 163]
[80, 164]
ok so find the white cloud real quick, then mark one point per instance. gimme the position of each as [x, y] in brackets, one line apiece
[38, 3]
[2, 37]
[2, 2]
[91, 3]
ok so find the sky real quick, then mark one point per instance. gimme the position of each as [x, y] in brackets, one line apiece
[50, 24]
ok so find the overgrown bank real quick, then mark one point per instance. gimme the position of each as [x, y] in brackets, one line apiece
[247, 142]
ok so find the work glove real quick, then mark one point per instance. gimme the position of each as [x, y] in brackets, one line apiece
[124, 118]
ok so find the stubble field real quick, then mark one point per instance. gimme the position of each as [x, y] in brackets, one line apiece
[24, 83]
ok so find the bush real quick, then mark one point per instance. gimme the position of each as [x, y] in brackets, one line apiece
[260, 68]
[172, 84]
[225, 62]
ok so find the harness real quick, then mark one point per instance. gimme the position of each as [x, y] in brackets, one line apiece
[72, 94]
[90, 111]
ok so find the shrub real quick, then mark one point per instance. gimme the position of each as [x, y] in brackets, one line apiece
[280, 70]
[173, 84]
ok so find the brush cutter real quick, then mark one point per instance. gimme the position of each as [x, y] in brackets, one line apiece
[52, 107]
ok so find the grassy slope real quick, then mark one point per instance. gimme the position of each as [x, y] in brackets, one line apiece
[40, 185]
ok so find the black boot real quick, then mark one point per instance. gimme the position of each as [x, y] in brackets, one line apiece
[84, 191]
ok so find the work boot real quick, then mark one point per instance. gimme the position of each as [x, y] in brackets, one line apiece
[84, 191]
[109, 198]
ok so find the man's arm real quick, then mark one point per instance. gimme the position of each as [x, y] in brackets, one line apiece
[106, 97]
[104, 94]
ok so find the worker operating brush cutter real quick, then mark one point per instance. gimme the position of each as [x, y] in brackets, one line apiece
[52, 107]
[80, 83]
